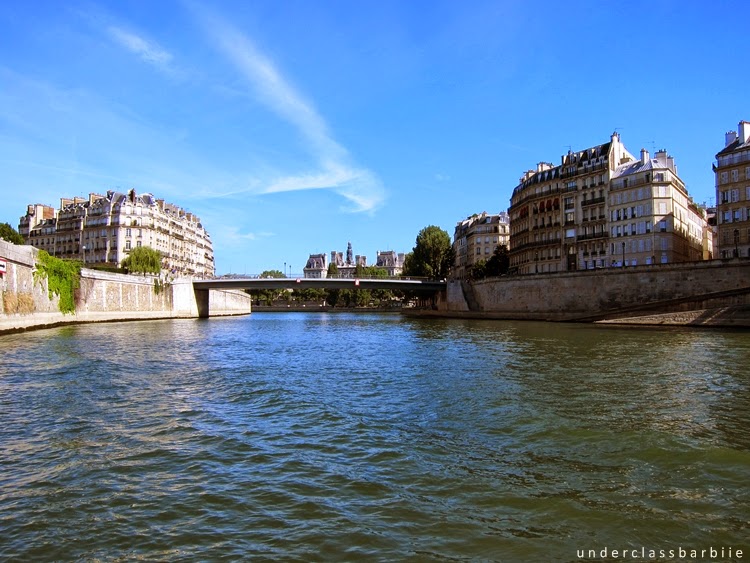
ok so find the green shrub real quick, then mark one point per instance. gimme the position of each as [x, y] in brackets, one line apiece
[63, 278]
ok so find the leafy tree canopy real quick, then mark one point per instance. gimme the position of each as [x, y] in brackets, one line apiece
[333, 270]
[143, 260]
[432, 255]
[272, 274]
[497, 265]
[10, 234]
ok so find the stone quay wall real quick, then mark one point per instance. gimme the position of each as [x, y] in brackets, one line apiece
[102, 296]
[713, 292]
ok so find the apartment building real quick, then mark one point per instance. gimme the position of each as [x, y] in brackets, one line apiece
[732, 171]
[602, 207]
[651, 217]
[476, 238]
[103, 229]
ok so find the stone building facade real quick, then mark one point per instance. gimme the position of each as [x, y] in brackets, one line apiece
[476, 238]
[103, 229]
[732, 170]
[391, 262]
[603, 207]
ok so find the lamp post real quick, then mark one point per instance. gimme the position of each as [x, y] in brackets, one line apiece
[284, 269]
[736, 243]
[623, 254]
[83, 247]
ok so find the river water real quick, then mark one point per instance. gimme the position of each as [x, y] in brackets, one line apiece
[325, 437]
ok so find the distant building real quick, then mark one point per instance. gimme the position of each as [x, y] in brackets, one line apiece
[103, 229]
[316, 267]
[603, 207]
[732, 170]
[318, 264]
[476, 238]
[391, 262]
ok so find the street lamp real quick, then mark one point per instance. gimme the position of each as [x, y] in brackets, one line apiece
[623, 254]
[83, 247]
[736, 242]
[284, 269]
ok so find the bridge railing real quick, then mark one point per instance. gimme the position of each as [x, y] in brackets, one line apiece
[333, 277]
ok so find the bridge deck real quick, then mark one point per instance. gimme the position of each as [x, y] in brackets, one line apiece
[415, 285]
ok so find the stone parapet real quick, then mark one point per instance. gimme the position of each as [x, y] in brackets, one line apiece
[604, 294]
[102, 296]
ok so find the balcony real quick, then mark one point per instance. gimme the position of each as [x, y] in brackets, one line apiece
[591, 236]
[595, 201]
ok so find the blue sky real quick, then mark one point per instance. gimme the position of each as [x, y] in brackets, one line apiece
[293, 127]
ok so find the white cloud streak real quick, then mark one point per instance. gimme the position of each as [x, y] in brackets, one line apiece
[360, 187]
[147, 50]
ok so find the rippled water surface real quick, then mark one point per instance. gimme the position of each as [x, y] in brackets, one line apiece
[370, 437]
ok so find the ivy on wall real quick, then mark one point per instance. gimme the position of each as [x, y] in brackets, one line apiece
[63, 278]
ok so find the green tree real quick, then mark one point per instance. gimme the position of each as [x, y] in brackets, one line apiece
[332, 296]
[272, 274]
[380, 295]
[269, 295]
[478, 270]
[10, 234]
[499, 263]
[432, 256]
[143, 260]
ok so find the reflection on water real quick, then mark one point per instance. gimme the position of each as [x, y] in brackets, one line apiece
[335, 436]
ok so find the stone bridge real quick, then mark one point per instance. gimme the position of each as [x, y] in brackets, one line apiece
[422, 287]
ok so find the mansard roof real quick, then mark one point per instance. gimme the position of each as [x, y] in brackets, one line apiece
[737, 144]
[633, 167]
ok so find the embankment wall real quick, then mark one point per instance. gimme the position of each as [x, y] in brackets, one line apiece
[102, 296]
[647, 292]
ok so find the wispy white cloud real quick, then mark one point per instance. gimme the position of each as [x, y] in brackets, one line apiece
[147, 50]
[361, 187]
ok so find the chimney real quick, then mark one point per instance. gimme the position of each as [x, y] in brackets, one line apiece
[729, 138]
[744, 131]
[644, 156]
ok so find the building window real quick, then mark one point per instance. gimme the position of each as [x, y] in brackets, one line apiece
[127, 232]
[127, 245]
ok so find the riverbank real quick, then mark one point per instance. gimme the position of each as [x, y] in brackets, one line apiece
[25, 302]
[711, 293]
